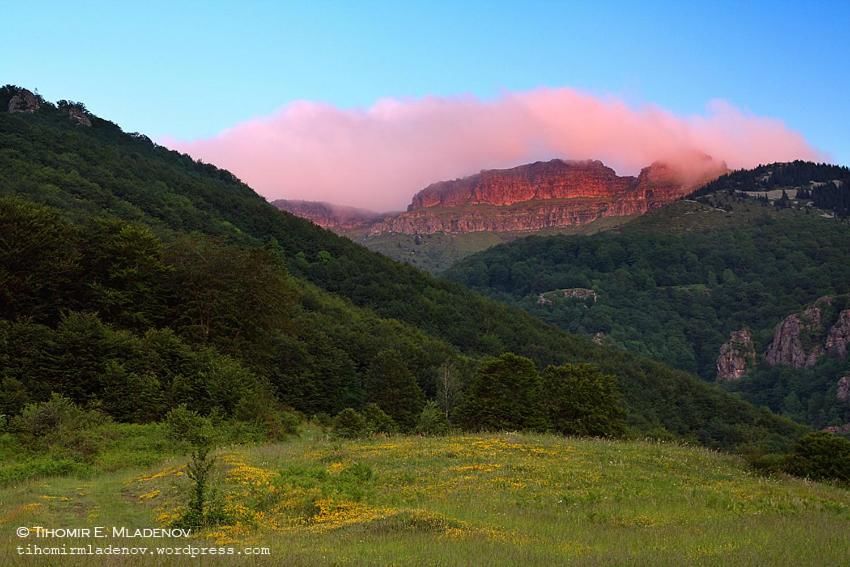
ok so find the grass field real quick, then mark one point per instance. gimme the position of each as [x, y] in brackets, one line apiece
[500, 499]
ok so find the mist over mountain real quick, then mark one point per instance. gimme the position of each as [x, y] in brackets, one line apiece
[378, 157]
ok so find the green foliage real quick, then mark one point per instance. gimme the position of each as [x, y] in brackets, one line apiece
[675, 283]
[189, 428]
[505, 394]
[391, 385]
[581, 400]
[350, 424]
[203, 511]
[377, 420]
[432, 421]
[262, 410]
[39, 261]
[149, 266]
[61, 426]
[821, 456]
[13, 397]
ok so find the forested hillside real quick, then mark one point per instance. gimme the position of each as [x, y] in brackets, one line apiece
[124, 263]
[676, 283]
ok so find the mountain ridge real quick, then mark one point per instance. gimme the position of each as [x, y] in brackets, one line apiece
[351, 299]
[526, 198]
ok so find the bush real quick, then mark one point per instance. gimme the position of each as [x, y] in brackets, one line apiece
[350, 424]
[581, 400]
[205, 508]
[505, 394]
[275, 422]
[323, 420]
[391, 384]
[820, 456]
[13, 396]
[767, 464]
[377, 420]
[60, 425]
[432, 421]
[188, 427]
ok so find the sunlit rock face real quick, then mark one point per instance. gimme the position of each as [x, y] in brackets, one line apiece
[737, 356]
[527, 198]
[536, 196]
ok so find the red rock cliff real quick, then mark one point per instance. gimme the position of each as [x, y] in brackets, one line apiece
[538, 196]
[527, 198]
[554, 179]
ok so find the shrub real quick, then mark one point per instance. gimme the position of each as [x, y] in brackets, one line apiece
[377, 420]
[350, 424]
[820, 456]
[505, 394]
[13, 396]
[391, 384]
[200, 513]
[581, 400]
[60, 425]
[432, 421]
[323, 420]
[188, 427]
[767, 464]
[275, 422]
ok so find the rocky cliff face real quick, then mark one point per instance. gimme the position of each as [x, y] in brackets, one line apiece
[737, 355]
[838, 338]
[842, 389]
[527, 198]
[801, 339]
[24, 101]
[538, 196]
[787, 347]
[556, 179]
[329, 216]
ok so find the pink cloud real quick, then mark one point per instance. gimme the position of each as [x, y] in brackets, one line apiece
[380, 156]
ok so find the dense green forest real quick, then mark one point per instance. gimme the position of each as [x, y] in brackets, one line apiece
[672, 285]
[125, 263]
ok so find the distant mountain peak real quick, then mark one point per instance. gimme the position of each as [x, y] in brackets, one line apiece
[328, 215]
[525, 198]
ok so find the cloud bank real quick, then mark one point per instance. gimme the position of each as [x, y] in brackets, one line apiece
[380, 156]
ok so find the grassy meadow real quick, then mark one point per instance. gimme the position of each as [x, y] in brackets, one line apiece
[505, 499]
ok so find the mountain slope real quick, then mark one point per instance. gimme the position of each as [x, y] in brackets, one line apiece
[450, 219]
[46, 158]
[676, 283]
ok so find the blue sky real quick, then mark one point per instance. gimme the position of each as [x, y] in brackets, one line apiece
[190, 69]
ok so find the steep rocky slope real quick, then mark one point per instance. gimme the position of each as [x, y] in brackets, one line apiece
[537, 196]
[527, 198]
[328, 215]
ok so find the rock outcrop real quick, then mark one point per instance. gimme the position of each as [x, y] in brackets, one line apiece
[538, 196]
[842, 389]
[540, 181]
[79, 116]
[76, 111]
[801, 339]
[527, 198]
[788, 348]
[737, 356]
[838, 338]
[838, 429]
[329, 216]
[24, 101]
